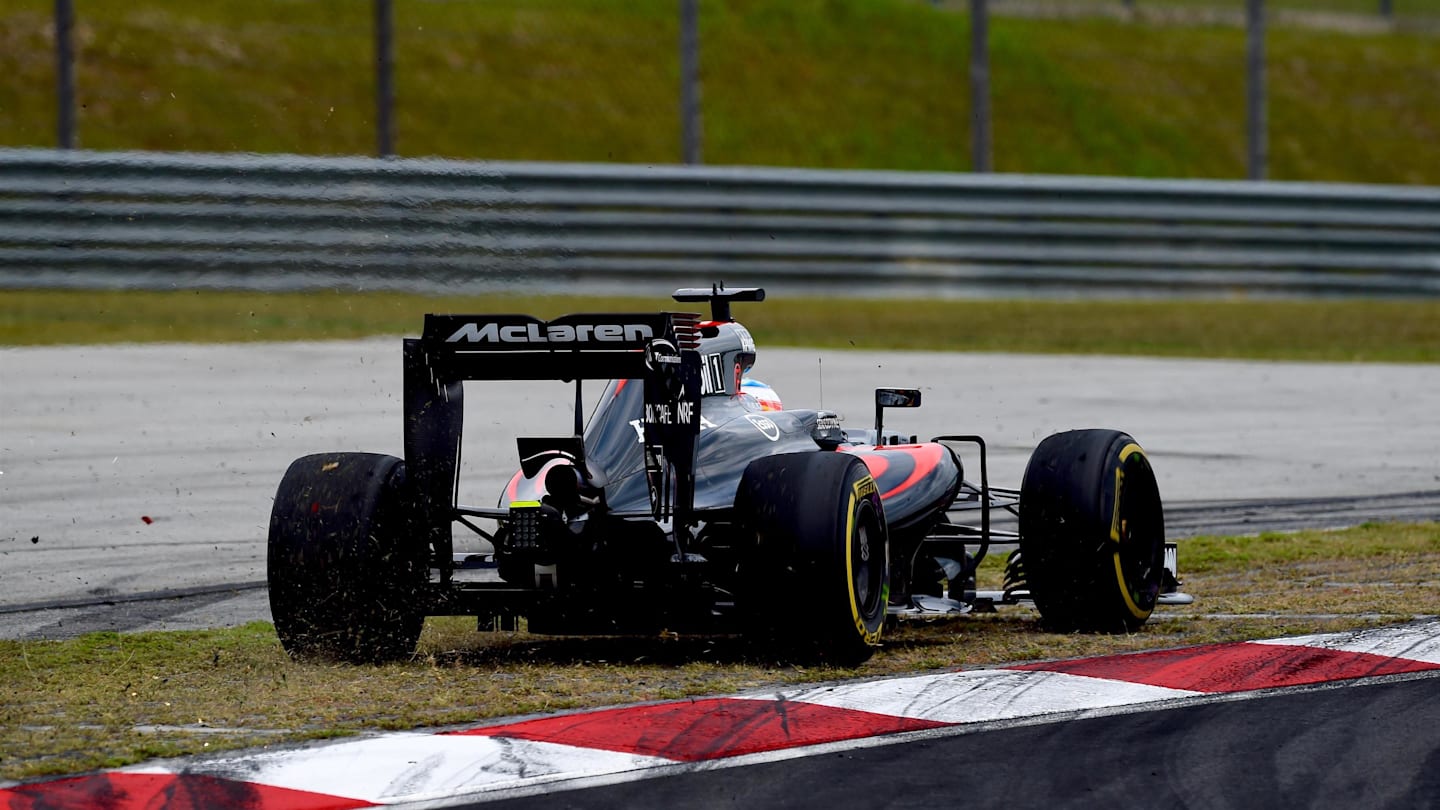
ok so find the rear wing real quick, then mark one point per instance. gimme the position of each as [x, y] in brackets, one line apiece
[658, 349]
[590, 346]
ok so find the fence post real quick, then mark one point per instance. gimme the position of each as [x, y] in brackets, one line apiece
[689, 82]
[979, 86]
[64, 74]
[1387, 9]
[384, 79]
[1256, 119]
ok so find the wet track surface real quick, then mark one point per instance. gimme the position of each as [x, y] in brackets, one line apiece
[135, 481]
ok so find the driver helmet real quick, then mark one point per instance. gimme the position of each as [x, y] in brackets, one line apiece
[760, 394]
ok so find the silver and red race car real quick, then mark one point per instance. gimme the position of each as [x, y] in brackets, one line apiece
[692, 501]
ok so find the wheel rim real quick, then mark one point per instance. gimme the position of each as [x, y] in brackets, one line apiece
[867, 561]
[1139, 557]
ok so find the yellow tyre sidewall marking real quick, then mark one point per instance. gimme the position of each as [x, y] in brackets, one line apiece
[1125, 452]
[1125, 592]
[862, 488]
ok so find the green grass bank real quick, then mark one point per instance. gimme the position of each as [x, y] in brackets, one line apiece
[824, 83]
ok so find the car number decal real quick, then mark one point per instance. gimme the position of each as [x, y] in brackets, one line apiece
[712, 375]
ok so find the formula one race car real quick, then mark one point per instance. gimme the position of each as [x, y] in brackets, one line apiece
[692, 502]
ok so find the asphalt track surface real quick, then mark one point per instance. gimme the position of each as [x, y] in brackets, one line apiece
[136, 481]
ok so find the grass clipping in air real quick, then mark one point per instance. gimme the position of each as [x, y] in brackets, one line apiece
[107, 699]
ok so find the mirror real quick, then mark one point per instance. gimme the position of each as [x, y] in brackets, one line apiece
[897, 397]
[892, 398]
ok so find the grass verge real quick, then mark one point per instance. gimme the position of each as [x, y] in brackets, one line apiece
[1369, 331]
[106, 699]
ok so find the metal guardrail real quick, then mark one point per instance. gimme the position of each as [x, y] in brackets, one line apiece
[161, 220]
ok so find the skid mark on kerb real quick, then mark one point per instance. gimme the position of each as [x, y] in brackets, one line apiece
[143, 790]
[1237, 667]
[985, 695]
[708, 729]
[412, 766]
[1415, 642]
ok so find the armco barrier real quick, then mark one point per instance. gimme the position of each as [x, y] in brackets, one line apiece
[163, 220]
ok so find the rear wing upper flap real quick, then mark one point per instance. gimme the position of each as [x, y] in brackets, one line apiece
[580, 346]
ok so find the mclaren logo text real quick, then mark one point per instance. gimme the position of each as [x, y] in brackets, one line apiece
[551, 333]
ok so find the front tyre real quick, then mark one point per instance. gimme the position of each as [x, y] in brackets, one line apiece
[1092, 532]
[347, 579]
[817, 570]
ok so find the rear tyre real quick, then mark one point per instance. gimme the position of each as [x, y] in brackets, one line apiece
[347, 579]
[817, 567]
[1092, 532]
